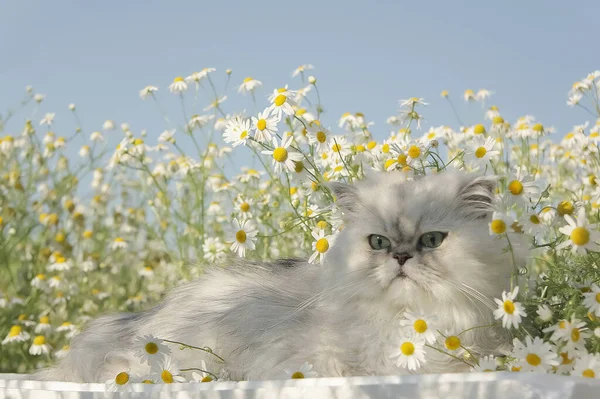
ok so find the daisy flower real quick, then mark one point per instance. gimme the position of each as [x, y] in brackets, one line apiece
[301, 69]
[339, 146]
[486, 364]
[39, 346]
[202, 376]
[282, 158]
[121, 382]
[39, 281]
[167, 136]
[197, 77]
[265, 126]
[281, 103]
[500, 223]
[147, 91]
[214, 250]
[150, 349]
[420, 325]
[520, 188]
[576, 339]
[412, 101]
[509, 311]
[167, 371]
[320, 246]
[318, 136]
[248, 85]
[415, 150]
[178, 85]
[304, 371]
[410, 353]
[43, 325]
[237, 132]
[592, 300]
[481, 150]
[59, 263]
[243, 207]
[534, 354]
[244, 238]
[16, 334]
[118, 243]
[48, 119]
[582, 236]
[587, 366]
[215, 103]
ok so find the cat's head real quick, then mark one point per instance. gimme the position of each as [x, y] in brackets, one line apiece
[419, 243]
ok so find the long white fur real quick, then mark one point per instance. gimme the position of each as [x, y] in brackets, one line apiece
[342, 316]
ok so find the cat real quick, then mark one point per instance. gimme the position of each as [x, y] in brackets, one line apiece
[421, 244]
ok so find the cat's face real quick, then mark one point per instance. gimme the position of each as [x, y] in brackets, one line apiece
[419, 243]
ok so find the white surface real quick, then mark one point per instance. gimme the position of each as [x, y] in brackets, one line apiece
[472, 385]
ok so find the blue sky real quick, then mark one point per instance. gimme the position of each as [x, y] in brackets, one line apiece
[368, 55]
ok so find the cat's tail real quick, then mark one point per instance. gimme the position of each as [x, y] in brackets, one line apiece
[97, 354]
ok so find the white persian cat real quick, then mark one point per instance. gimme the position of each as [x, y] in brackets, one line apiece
[421, 245]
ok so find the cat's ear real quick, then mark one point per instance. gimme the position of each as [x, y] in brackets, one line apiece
[477, 196]
[346, 196]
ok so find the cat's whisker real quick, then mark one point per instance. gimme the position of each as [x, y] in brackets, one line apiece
[488, 300]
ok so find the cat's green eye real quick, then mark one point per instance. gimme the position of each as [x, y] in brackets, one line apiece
[379, 242]
[432, 239]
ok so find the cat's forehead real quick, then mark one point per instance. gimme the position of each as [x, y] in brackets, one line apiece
[406, 207]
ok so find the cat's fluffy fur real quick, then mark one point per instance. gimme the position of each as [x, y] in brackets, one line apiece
[342, 316]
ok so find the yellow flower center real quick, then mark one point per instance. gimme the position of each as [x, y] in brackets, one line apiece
[588, 373]
[281, 90]
[177, 79]
[538, 127]
[402, 159]
[206, 379]
[280, 99]
[498, 120]
[515, 187]
[480, 152]
[87, 234]
[138, 141]
[321, 137]
[14, 331]
[479, 129]
[533, 359]
[122, 378]
[119, 239]
[565, 358]
[240, 236]
[280, 154]
[147, 382]
[385, 148]
[515, 368]
[575, 335]
[371, 145]
[322, 245]
[261, 124]
[509, 306]
[166, 376]
[565, 208]
[248, 79]
[534, 219]
[151, 348]
[389, 163]
[407, 348]
[297, 375]
[452, 342]
[245, 207]
[298, 166]
[498, 226]
[323, 225]
[420, 326]
[41, 276]
[414, 151]
[580, 236]
[598, 297]
[44, 320]
[244, 134]
[39, 340]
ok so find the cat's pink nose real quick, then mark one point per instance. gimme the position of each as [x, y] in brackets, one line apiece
[402, 257]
